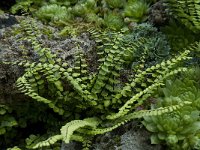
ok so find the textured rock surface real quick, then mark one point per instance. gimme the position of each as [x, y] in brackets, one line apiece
[12, 49]
[8, 73]
[158, 15]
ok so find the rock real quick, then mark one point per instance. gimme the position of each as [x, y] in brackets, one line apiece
[71, 146]
[12, 49]
[7, 20]
[158, 15]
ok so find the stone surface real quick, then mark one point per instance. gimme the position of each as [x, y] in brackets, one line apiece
[158, 14]
[12, 49]
[7, 20]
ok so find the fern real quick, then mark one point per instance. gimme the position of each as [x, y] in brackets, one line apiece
[7, 120]
[93, 102]
[186, 11]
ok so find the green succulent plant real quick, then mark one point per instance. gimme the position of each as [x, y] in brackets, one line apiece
[181, 38]
[113, 21]
[63, 2]
[79, 10]
[136, 10]
[116, 3]
[95, 19]
[180, 129]
[107, 13]
[27, 6]
[54, 13]
[156, 49]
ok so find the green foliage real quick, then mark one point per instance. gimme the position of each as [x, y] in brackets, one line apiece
[186, 11]
[32, 140]
[179, 129]
[63, 2]
[181, 38]
[14, 148]
[136, 10]
[53, 13]
[96, 102]
[26, 5]
[156, 48]
[114, 21]
[1, 12]
[116, 3]
[7, 120]
[114, 14]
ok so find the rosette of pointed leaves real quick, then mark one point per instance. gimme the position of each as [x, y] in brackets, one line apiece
[54, 13]
[136, 10]
[155, 49]
[178, 129]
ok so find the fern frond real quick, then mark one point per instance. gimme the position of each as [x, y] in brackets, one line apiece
[134, 115]
[69, 128]
[27, 89]
[32, 32]
[186, 11]
[67, 132]
[126, 107]
[80, 70]
[48, 142]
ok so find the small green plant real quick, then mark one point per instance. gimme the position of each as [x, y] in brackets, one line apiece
[1, 12]
[54, 13]
[26, 6]
[187, 12]
[155, 49]
[7, 120]
[181, 38]
[136, 10]
[114, 14]
[178, 129]
[92, 102]
[116, 3]
[14, 148]
[113, 21]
